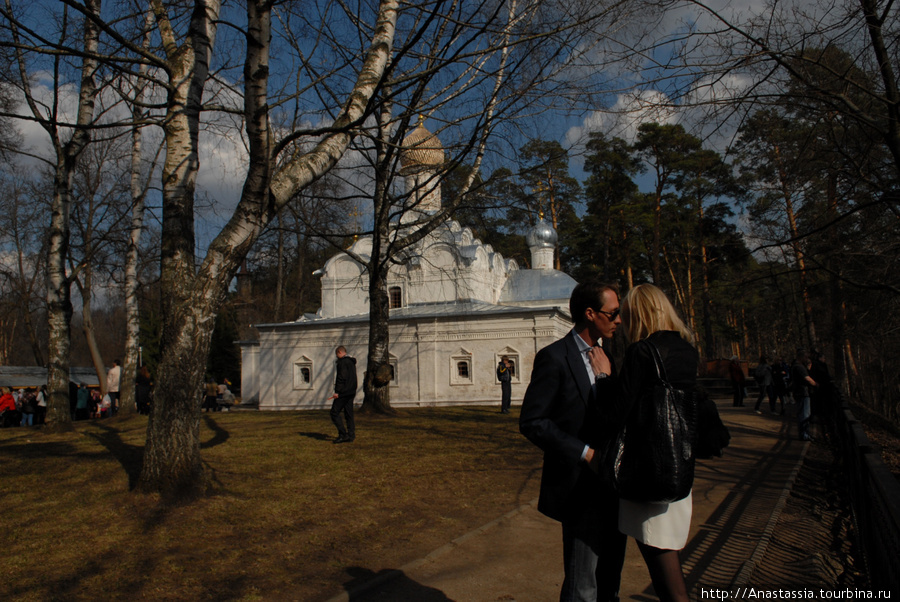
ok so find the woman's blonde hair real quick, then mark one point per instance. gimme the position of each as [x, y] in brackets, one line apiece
[646, 309]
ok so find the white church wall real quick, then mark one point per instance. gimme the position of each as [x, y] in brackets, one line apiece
[425, 354]
[249, 371]
[312, 345]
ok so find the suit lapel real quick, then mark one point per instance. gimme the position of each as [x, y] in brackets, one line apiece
[576, 365]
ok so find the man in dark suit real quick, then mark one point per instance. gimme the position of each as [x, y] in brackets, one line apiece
[345, 384]
[564, 413]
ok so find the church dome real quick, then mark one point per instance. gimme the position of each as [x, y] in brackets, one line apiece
[421, 149]
[542, 236]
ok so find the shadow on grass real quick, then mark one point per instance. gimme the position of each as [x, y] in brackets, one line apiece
[317, 436]
[131, 457]
[220, 435]
[46, 449]
[388, 584]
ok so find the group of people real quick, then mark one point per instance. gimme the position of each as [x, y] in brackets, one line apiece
[28, 406]
[774, 381]
[23, 407]
[807, 382]
[216, 396]
[575, 404]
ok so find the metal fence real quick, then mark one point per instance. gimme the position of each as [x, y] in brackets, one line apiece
[875, 496]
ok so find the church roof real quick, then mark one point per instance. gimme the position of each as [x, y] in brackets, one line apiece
[537, 285]
[469, 308]
[542, 235]
[421, 149]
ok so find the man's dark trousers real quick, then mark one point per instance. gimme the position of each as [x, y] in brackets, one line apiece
[506, 390]
[343, 405]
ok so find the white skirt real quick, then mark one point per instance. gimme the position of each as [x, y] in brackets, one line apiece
[664, 526]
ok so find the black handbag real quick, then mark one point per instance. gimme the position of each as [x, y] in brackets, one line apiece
[654, 459]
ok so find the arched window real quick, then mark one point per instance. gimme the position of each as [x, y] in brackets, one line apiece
[303, 368]
[396, 297]
[462, 369]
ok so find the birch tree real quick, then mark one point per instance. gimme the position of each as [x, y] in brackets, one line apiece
[68, 138]
[139, 185]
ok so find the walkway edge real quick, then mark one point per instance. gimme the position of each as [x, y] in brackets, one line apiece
[388, 575]
[747, 568]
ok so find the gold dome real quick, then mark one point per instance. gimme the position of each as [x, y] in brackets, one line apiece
[421, 149]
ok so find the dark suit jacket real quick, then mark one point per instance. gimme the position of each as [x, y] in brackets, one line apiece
[561, 413]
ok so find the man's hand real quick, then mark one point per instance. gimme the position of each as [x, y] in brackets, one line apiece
[593, 460]
[599, 361]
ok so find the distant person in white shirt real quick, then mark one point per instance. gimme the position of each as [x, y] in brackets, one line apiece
[112, 387]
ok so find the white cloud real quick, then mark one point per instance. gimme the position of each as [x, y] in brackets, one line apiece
[623, 119]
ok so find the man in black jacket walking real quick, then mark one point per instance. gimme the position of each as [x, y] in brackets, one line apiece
[344, 392]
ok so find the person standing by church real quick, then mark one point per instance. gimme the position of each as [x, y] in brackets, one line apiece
[504, 375]
[344, 391]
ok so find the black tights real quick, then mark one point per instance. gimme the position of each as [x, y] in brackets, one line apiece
[665, 572]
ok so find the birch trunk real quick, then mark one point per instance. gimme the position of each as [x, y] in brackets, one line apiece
[127, 401]
[87, 320]
[59, 293]
[376, 387]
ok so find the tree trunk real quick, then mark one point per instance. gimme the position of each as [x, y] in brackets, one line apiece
[705, 297]
[87, 327]
[127, 400]
[172, 465]
[798, 253]
[59, 293]
[377, 392]
[376, 384]
[657, 236]
[836, 300]
[279, 271]
[59, 305]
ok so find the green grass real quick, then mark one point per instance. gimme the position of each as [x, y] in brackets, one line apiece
[289, 515]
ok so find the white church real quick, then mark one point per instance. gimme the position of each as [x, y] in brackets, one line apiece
[456, 306]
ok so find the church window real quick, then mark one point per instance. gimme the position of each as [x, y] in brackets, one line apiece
[396, 297]
[461, 368]
[303, 372]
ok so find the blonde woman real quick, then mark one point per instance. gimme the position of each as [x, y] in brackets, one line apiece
[660, 529]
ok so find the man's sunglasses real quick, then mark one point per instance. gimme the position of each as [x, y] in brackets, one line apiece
[612, 315]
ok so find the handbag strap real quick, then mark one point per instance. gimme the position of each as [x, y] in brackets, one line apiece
[657, 359]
